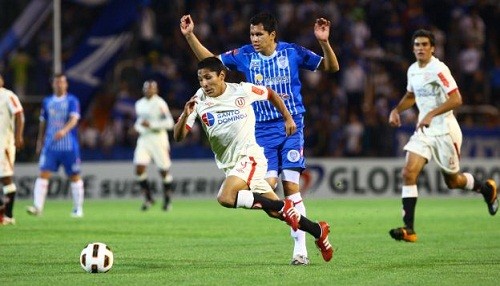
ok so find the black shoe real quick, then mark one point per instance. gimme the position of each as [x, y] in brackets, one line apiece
[147, 204]
[403, 233]
[489, 191]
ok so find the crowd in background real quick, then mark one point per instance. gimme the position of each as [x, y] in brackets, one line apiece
[347, 112]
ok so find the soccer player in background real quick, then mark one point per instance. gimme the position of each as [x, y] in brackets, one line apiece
[275, 64]
[11, 138]
[57, 144]
[228, 120]
[434, 90]
[153, 121]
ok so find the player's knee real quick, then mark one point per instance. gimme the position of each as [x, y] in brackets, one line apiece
[408, 175]
[225, 200]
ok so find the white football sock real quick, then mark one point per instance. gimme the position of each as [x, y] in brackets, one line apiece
[244, 199]
[299, 236]
[40, 193]
[78, 195]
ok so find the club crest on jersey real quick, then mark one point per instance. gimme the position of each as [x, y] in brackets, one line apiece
[254, 64]
[208, 119]
[240, 101]
[259, 78]
[282, 62]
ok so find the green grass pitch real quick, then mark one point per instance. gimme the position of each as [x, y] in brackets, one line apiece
[202, 243]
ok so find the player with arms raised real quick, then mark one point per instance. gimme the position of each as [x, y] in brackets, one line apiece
[276, 64]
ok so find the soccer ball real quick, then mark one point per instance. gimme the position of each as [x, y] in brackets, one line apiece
[96, 257]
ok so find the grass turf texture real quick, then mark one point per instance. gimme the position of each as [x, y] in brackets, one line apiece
[201, 243]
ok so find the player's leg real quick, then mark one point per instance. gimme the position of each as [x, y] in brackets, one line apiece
[292, 164]
[7, 159]
[167, 180]
[447, 156]
[163, 162]
[9, 192]
[409, 195]
[231, 194]
[48, 164]
[72, 167]
[142, 158]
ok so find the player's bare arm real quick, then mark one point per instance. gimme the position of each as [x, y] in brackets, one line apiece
[276, 100]
[187, 29]
[72, 122]
[454, 101]
[406, 102]
[41, 137]
[322, 33]
[180, 129]
[19, 125]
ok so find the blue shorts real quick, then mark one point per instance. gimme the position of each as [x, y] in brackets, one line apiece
[282, 152]
[51, 160]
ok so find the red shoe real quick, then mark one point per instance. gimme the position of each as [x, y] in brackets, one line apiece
[290, 214]
[322, 242]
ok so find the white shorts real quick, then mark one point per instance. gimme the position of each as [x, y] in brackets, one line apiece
[7, 159]
[153, 147]
[251, 169]
[445, 149]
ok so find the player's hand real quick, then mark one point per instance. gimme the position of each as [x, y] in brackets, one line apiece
[290, 127]
[322, 29]
[187, 25]
[19, 142]
[189, 107]
[424, 123]
[59, 134]
[145, 123]
[394, 119]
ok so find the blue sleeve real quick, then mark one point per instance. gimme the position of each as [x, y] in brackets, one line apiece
[74, 106]
[43, 111]
[236, 59]
[307, 59]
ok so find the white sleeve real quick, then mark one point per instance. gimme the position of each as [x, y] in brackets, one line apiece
[255, 92]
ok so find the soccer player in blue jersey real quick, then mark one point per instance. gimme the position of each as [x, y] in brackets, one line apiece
[276, 64]
[58, 145]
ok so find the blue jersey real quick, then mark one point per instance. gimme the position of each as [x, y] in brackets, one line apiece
[280, 72]
[56, 112]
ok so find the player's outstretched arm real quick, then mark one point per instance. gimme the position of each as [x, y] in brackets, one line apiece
[180, 128]
[187, 29]
[322, 33]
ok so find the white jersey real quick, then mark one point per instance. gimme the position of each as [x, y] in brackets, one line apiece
[431, 85]
[156, 111]
[229, 121]
[9, 106]
[153, 140]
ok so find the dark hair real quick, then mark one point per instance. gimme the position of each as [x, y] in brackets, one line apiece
[212, 64]
[149, 83]
[267, 20]
[57, 75]
[424, 33]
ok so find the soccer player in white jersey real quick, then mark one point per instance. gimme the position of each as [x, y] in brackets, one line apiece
[57, 144]
[11, 138]
[228, 120]
[276, 64]
[153, 121]
[437, 136]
